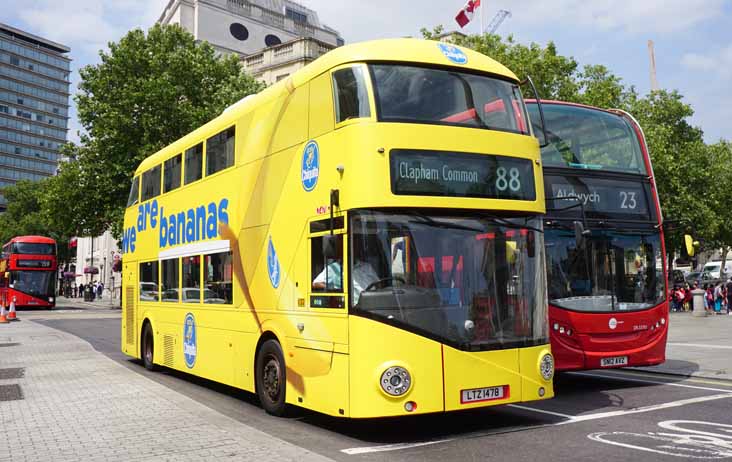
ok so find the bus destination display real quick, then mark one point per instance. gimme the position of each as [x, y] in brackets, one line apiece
[598, 196]
[440, 173]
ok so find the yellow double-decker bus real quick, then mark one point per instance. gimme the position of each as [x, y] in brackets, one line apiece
[362, 238]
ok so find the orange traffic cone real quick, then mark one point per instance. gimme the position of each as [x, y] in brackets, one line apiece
[11, 313]
[3, 319]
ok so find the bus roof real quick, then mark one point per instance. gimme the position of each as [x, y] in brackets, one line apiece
[405, 50]
[32, 240]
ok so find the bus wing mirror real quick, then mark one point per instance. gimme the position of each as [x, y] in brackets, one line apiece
[330, 249]
[690, 245]
[543, 137]
[580, 233]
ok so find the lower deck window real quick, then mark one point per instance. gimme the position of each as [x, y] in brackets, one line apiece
[149, 282]
[218, 278]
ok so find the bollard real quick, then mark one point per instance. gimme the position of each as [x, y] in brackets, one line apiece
[698, 302]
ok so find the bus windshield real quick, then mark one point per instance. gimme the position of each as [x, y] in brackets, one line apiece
[36, 283]
[474, 282]
[588, 139]
[445, 97]
[612, 271]
[33, 248]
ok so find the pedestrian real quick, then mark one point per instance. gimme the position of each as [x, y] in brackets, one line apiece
[719, 297]
[100, 289]
[729, 296]
[708, 297]
[687, 297]
[81, 289]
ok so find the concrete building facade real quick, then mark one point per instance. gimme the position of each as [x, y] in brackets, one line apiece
[105, 251]
[273, 37]
[34, 105]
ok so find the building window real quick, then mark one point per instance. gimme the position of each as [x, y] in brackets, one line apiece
[281, 77]
[296, 16]
[220, 151]
[3, 109]
[149, 281]
[352, 100]
[271, 40]
[218, 278]
[239, 31]
[55, 110]
[169, 281]
[151, 183]
[191, 279]
[171, 173]
[194, 163]
[14, 61]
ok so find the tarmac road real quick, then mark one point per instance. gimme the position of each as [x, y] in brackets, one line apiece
[602, 415]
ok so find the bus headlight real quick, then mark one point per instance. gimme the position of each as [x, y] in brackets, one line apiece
[395, 381]
[546, 366]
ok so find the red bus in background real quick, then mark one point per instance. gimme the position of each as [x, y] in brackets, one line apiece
[28, 270]
[604, 242]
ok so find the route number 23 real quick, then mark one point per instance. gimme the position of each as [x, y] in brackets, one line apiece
[627, 200]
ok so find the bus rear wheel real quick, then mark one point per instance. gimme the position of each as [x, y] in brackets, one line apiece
[148, 348]
[271, 378]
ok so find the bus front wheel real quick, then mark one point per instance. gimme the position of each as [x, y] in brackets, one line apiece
[148, 348]
[271, 378]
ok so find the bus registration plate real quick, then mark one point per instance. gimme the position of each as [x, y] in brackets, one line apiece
[614, 361]
[483, 394]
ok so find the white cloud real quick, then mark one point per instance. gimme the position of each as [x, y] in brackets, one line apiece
[718, 62]
[88, 25]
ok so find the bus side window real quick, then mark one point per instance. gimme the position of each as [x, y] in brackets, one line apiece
[151, 183]
[220, 151]
[193, 167]
[171, 173]
[351, 95]
[134, 196]
[327, 272]
[149, 290]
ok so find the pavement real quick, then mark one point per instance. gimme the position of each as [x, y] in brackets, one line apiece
[68, 393]
[698, 347]
[60, 400]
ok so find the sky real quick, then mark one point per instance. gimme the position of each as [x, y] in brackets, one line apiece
[693, 38]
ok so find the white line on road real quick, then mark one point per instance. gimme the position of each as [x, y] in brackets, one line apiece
[701, 345]
[638, 410]
[570, 419]
[623, 377]
[541, 411]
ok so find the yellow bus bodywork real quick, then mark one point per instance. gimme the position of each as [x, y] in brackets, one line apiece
[333, 359]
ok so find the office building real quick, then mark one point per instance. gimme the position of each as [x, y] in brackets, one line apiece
[34, 105]
[273, 37]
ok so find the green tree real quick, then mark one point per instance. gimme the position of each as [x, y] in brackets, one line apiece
[148, 90]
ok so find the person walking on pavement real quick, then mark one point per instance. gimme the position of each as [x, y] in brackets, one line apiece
[81, 289]
[729, 296]
[100, 290]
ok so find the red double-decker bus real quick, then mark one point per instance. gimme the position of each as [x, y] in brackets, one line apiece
[604, 240]
[28, 271]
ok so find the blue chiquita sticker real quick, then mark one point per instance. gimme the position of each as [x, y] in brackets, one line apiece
[189, 340]
[453, 53]
[310, 165]
[273, 265]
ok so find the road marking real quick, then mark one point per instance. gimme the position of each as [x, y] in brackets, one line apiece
[686, 378]
[541, 411]
[615, 376]
[570, 420]
[701, 345]
[639, 410]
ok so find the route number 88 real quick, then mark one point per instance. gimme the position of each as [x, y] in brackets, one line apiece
[508, 179]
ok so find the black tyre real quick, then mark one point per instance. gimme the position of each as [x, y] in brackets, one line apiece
[271, 378]
[148, 348]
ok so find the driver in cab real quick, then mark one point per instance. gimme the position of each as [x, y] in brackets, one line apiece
[331, 278]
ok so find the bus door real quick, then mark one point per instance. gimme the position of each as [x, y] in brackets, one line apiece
[130, 333]
[320, 360]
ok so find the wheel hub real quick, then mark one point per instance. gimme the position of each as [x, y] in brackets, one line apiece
[271, 378]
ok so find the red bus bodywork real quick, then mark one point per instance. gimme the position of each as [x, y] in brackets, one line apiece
[582, 339]
[28, 269]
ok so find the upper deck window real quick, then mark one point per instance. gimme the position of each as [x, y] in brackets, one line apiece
[33, 248]
[444, 97]
[220, 151]
[351, 96]
[586, 138]
[134, 196]
[171, 173]
[194, 163]
[151, 183]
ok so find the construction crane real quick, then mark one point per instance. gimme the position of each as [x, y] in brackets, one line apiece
[498, 20]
